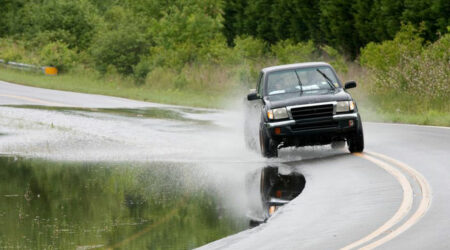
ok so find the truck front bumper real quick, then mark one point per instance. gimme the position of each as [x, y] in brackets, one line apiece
[313, 131]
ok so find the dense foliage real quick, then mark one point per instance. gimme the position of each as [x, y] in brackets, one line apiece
[345, 24]
[407, 66]
[167, 44]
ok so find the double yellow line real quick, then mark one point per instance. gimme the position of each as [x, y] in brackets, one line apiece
[396, 169]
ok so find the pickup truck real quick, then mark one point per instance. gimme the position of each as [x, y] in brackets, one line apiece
[301, 104]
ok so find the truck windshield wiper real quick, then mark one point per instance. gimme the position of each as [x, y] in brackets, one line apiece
[299, 82]
[326, 78]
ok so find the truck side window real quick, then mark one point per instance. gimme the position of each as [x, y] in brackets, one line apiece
[260, 85]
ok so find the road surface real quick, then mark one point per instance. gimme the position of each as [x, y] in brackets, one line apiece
[396, 195]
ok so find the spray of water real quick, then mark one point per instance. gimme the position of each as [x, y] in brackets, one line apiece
[209, 140]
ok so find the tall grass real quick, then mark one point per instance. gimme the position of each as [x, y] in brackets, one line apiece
[114, 85]
[389, 105]
[408, 75]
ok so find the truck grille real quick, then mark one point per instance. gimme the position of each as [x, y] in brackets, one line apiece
[316, 125]
[312, 112]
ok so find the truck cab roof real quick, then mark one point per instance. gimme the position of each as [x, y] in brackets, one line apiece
[294, 66]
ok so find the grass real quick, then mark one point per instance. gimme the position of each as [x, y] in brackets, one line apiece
[392, 107]
[396, 108]
[383, 109]
[403, 108]
[115, 86]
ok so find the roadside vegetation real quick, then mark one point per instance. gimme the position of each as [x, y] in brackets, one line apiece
[409, 77]
[199, 53]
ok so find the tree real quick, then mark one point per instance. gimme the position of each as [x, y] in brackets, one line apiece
[120, 47]
[337, 23]
[432, 14]
[55, 20]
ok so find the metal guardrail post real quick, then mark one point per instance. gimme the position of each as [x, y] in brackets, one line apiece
[47, 70]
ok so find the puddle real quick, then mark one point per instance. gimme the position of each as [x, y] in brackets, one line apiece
[80, 134]
[196, 110]
[270, 188]
[180, 114]
[145, 178]
[63, 205]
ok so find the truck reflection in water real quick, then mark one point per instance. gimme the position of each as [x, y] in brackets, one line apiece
[270, 188]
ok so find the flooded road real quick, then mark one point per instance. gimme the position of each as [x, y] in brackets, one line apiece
[82, 171]
[140, 134]
[154, 177]
[131, 178]
[45, 204]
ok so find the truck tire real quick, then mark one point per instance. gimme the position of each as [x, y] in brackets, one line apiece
[356, 141]
[269, 148]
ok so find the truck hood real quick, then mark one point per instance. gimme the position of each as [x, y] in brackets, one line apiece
[307, 97]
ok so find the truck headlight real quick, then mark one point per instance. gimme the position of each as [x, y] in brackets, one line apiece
[345, 106]
[277, 114]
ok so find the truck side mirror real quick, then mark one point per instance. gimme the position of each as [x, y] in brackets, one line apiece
[350, 84]
[252, 96]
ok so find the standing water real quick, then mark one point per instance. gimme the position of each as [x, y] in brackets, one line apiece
[47, 205]
[142, 178]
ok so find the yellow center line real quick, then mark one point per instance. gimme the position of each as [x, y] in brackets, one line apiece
[422, 208]
[24, 98]
[402, 211]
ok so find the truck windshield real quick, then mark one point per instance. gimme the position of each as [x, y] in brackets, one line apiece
[302, 79]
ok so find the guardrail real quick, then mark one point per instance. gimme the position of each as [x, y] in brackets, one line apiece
[47, 70]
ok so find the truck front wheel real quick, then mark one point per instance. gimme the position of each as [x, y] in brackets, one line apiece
[356, 141]
[268, 146]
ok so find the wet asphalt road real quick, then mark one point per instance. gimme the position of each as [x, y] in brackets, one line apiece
[346, 197]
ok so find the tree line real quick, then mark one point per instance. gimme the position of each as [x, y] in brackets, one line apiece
[346, 25]
[133, 37]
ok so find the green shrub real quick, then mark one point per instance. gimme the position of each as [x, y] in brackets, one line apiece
[141, 70]
[187, 32]
[11, 51]
[42, 38]
[58, 54]
[249, 47]
[381, 56]
[216, 52]
[174, 58]
[287, 51]
[405, 66]
[120, 47]
[56, 20]
[187, 22]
